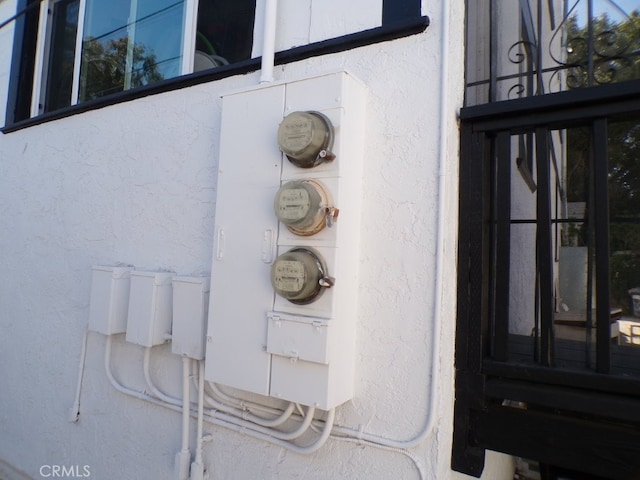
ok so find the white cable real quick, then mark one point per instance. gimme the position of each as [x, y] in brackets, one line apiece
[74, 411]
[152, 387]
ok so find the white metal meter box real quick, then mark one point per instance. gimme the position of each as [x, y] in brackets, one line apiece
[283, 303]
[190, 305]
[109, 299]
[150, 308]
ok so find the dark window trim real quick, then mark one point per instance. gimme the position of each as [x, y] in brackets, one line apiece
[23, 55]
[398, 10]
[388, 31]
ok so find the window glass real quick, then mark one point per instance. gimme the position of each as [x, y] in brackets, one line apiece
[128, 44]
[62, 53]
[225, 32]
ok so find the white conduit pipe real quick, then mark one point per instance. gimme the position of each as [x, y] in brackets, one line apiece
[244, 411]
[128, 391]
[221, 419]
[183, 457]
[197, 467]
[74, 411]
[268, 41]
[280, 415]
[221, 407]
[186, 405]
[243, 427]
[152, 387]
[438, 280]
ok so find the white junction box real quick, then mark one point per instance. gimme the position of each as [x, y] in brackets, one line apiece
[109, 299]
[150, 311]
[190, 306]
[283, 303]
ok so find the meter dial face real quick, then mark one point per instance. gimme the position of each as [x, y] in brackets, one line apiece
[302, 206]
[299, 275]
[306, 138]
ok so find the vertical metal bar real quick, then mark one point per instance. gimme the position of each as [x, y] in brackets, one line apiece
[502, 247]
[590, 231]
[493, 46]
[472, 267]
[539, 66]
[474, 258]
[545, 250]
[601, 221]
[590, 44]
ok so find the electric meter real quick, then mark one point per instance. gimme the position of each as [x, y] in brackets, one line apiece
[306, 138]
[300, 276]
[304, 206]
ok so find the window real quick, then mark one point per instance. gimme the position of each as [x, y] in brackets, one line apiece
[128, 44]
[86, 53]
[59, 77]
[73, 51]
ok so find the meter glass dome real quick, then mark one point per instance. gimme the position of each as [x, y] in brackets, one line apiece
[299, 275]
[302, 206]
[306, 138]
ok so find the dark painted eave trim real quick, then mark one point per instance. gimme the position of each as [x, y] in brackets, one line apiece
[335, 45]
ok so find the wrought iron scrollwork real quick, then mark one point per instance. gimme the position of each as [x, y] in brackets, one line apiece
[585, 48]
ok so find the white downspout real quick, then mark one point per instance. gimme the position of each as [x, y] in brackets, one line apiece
[268, 41]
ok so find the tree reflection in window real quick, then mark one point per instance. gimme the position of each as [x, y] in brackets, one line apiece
[106, 70]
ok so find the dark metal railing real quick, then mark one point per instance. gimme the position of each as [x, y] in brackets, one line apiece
[508, 382]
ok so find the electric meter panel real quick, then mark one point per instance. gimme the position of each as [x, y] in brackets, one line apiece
[304, 206]
[300, 276]
[293, 338]
[306, 138]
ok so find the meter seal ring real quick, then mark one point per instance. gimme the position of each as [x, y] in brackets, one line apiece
[324, 153]
[326, 211]
[324, 280]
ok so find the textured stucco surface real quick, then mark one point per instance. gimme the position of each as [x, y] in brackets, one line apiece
[135, 183]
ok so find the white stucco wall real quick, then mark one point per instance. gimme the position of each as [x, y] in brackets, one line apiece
[135, 183]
